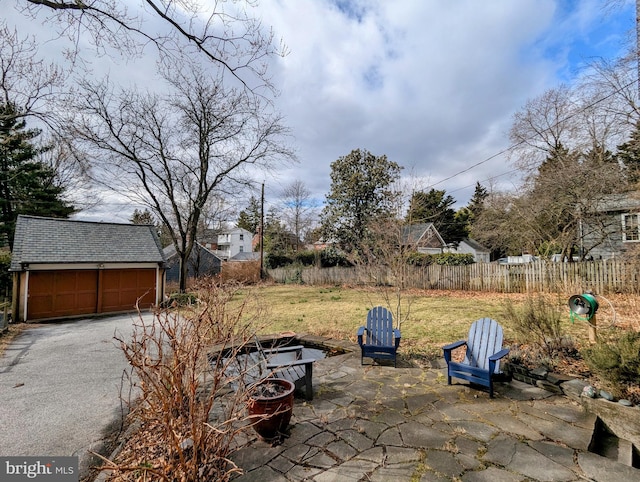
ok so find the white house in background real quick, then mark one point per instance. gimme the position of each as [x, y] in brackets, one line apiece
[229, 243]
[471, 246]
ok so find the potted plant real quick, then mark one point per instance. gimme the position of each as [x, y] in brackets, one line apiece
[270, 406]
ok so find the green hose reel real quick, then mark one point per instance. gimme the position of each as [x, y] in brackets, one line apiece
[583, 307]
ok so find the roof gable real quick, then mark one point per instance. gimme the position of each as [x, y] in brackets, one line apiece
[419, 234]
[59, 241]
[473, 244]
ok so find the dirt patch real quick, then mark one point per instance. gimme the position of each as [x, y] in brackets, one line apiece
[12, 332]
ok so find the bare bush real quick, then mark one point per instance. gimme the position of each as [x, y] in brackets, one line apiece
[191, 407]
[538, 321]
[241, 271]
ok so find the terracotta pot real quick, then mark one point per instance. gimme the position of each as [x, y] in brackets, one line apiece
[271, 415]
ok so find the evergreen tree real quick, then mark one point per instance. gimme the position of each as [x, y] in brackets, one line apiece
[629, 155]
[27, 186]
[143, 217]
[437, 207]
[277, 239]
[476, 203]
[249, 218]
[147, 217]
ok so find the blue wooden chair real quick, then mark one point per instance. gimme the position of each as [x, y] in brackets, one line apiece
[481, 364]
[379, 339]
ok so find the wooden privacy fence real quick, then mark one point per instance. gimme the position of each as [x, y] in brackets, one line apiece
[602, 277]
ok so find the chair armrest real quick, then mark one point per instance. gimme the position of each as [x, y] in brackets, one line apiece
[454, 345]
[283, 349]
[396, 333]
[361, 331]
[292, 363]
[501, 354]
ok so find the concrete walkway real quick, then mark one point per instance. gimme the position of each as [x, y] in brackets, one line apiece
[60, 387]
[377, 423]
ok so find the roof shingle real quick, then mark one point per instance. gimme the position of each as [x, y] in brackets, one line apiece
[59, 241]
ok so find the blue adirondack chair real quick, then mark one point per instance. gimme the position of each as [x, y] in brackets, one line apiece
[481, 363]
[379, 339]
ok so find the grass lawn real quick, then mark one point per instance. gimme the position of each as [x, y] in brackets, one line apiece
[436, 317]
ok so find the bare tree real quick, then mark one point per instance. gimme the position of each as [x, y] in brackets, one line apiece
[548, 213]
[224, 33]
[542, 125]
[384, 254]
[298, 209]
[172, 152]
[27, 83]
[615, 82]
[498, 225]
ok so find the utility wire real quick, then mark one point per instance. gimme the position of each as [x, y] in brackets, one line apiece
[513, 146]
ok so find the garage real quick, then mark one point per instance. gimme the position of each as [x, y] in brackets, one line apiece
[62, 293]
[54, 294]
[64, 268]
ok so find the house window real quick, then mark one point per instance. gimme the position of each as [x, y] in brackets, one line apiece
[242, 237]
[241, 249]
[630, 227]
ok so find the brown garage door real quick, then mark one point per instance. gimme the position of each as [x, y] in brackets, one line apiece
[55, 294]
[122, 288]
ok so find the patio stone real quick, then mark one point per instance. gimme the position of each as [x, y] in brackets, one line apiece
[381, 423]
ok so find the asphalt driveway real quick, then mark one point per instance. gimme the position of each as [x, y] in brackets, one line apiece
[60, 388]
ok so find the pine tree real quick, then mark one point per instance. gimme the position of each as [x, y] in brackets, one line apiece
[476, 203]
[143, 217]
[27, 186]
[629, 155]
[437, 207]
[249, 218]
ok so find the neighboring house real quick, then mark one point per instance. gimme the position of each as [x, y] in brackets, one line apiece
[227, 244]
[615, 230]
[64, 268]
[244, 256]
[470, 246]
[424, 238]
[201, 262]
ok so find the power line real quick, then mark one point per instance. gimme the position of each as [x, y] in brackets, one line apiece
[558, 122]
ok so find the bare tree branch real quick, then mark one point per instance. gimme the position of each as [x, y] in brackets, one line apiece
[224, 33]
[174, 152]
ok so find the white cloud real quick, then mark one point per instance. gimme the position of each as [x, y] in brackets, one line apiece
[431, 84]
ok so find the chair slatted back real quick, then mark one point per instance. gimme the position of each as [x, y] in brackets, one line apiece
[379, 327]
[485, 339]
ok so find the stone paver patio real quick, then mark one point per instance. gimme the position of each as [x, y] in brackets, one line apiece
[379, 423]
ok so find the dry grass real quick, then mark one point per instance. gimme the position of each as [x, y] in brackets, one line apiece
[437, 317]
[13, 330]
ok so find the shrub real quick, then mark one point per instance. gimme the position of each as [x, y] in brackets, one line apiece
[277, 260]
[443, 259]
[306, 258]
[419, 259]
[330, 257]
[616, 360]
[453, 259]
[538, 321]
[240, 272]
[190, 409]
[179, 299]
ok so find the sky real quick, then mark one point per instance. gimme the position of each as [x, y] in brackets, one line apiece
[431, 84]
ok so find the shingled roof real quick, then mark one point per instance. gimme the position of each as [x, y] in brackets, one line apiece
[59, 241]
